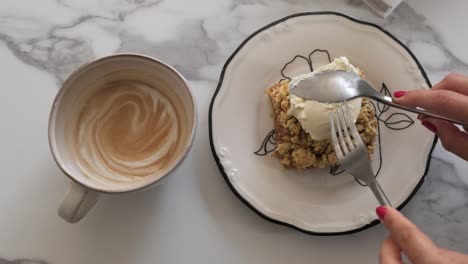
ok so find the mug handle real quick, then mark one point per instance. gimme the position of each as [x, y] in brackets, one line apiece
[77, 202]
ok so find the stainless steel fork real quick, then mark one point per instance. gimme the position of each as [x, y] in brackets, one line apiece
[351, 151]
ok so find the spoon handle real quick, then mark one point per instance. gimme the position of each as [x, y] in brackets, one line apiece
[389, 101]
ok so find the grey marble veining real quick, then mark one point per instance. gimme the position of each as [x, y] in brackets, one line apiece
[41, 43]
[22, 261]
[440, 208]
[196, 43]
[412, 28]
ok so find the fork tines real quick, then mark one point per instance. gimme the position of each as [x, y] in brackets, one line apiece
[344, 134]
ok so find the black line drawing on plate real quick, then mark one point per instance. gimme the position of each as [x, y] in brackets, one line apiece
[268, 145]
[394, 121]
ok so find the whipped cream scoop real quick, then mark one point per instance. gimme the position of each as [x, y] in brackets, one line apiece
[314, 116]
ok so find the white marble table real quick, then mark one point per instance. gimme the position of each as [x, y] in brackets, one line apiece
[193, 217]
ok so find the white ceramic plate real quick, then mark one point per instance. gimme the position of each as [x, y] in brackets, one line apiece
[316, 201]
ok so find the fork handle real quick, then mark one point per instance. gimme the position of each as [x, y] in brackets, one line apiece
[379, 193]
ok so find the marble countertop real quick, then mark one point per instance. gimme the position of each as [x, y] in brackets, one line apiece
[193, 217]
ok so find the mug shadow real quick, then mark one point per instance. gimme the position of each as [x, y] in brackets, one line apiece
[122, 222]
[115, 228]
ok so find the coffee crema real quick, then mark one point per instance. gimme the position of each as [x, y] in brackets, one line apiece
[126, 131]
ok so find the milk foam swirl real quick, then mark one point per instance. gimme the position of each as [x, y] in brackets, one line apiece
[126, 131]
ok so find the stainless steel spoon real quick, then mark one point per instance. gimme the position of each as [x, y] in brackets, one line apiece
[339, 86]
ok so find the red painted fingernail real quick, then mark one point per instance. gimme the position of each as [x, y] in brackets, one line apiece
[429, 126]
[399, 94]
[381, 211]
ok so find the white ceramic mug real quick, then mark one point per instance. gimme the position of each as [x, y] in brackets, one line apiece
[84, 190]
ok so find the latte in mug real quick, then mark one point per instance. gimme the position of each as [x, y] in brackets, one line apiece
[126, 131]
[120, 123]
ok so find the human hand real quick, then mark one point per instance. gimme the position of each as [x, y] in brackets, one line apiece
[448, 97]
[406, 238]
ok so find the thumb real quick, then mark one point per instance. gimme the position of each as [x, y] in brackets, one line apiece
[452, 138]
[414, 243]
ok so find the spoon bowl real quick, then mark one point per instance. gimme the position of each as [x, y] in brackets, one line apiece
[340, 86]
